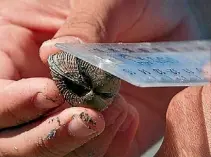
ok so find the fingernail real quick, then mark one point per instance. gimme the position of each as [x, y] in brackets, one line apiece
[66, 39]
[48, 47]
[43, 101]
[82, 125]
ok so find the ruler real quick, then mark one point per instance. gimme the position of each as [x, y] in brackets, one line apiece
[148, 64]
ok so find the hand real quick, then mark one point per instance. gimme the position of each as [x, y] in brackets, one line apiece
[34, 120]
[132, 21]
[188, 124]
[29, 33]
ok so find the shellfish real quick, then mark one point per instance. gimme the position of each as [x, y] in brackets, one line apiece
[81, 83]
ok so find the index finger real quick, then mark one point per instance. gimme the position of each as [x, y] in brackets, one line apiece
[26, 100]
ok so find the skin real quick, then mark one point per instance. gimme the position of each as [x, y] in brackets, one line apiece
[140, 117]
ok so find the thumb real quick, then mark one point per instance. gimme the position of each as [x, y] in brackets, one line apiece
[87, 22]
[188, 124]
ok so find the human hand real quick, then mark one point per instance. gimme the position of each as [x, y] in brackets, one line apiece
[131, 21]
[47, 21]
[34, 120]
[27, 96]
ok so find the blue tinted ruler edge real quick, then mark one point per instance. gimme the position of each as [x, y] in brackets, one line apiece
[98, 60]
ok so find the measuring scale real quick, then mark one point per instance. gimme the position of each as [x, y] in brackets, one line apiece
[155, 64]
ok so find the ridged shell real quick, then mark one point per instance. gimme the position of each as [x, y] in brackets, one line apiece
[82, 83]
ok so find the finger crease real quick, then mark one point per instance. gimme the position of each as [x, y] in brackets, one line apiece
[16, 118]
[18, 74]
[137, 20]
[44, 150]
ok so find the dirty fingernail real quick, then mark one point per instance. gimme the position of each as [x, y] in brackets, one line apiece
[82, 125]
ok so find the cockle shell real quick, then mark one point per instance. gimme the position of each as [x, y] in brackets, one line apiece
[81, 83]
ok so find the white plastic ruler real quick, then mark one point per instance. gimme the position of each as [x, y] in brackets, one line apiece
[155, 64]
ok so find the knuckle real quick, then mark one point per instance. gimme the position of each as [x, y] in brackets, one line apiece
[183, 102]
[117, 111]
[123, 108]
[121, 105]
[89, 27]
[175, 106]
[132, 119]
[135, 113]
